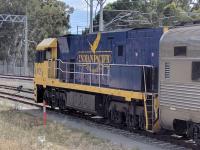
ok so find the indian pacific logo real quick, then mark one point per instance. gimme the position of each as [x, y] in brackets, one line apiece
[93, 56]
[95, 44]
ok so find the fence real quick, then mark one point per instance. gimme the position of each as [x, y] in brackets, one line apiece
[16, 69]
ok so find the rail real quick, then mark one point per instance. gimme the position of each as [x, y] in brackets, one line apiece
[16, 77]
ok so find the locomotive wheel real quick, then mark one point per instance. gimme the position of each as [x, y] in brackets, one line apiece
[45, 96]
[132, 122]
[61, 102]
[190, 133]
[129, 122]
[116, 116]
[53, 99]
[196, 134]
[142, 121]
[53, 102]
[52, 105]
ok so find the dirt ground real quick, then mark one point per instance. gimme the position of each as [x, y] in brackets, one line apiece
[21, 131]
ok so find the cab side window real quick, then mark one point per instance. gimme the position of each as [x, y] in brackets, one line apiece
[42, 56]
[48, 54]
[39, 56]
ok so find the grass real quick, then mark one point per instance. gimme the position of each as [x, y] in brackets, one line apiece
[22, 131]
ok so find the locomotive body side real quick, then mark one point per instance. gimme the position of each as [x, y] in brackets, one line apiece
[111, 74]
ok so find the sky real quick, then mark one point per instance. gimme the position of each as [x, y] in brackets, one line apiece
[79, 16]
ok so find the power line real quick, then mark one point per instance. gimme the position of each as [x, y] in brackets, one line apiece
[12, 18]
[87, 2]
[91, 5]
[130, 16]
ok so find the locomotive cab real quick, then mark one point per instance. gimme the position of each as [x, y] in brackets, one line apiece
[45, 62]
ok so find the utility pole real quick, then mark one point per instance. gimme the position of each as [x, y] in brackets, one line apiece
[91, 16]
[101, 22]
[26, 72]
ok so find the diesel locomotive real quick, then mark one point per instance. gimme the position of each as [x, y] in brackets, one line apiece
[141, 78]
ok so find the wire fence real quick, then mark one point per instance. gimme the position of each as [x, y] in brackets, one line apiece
[16, 69]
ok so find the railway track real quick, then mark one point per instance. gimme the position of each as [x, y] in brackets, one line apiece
[142, 137]
[13, 95]
[16, 77]
[164, 140]
[16, 88]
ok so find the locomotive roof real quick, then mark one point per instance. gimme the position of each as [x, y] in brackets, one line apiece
[113, 31]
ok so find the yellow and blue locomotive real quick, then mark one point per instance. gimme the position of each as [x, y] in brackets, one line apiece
[109, 74]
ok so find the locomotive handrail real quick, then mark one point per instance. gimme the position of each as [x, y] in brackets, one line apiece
[130, 65]
[77, 63]
[81, 72]
[100, 70]
[81, 65]
[125, 65]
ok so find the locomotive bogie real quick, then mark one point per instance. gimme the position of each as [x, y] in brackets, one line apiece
[115, 109]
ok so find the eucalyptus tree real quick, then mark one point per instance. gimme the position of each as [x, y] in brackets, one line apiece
[49, 18]
[149, 13]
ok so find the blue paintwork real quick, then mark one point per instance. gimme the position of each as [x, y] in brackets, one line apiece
[140, 46]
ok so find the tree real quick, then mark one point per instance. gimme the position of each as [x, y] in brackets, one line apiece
[137, 13]
[149, 13]
[45, 19]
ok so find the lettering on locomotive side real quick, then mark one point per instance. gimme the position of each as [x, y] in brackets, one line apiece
[94, 56]
[97, 59]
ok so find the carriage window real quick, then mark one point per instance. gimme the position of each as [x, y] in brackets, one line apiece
[120, 50]
[196, 71]
[180, 51]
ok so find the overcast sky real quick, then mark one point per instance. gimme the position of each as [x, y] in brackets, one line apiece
[79, 17]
